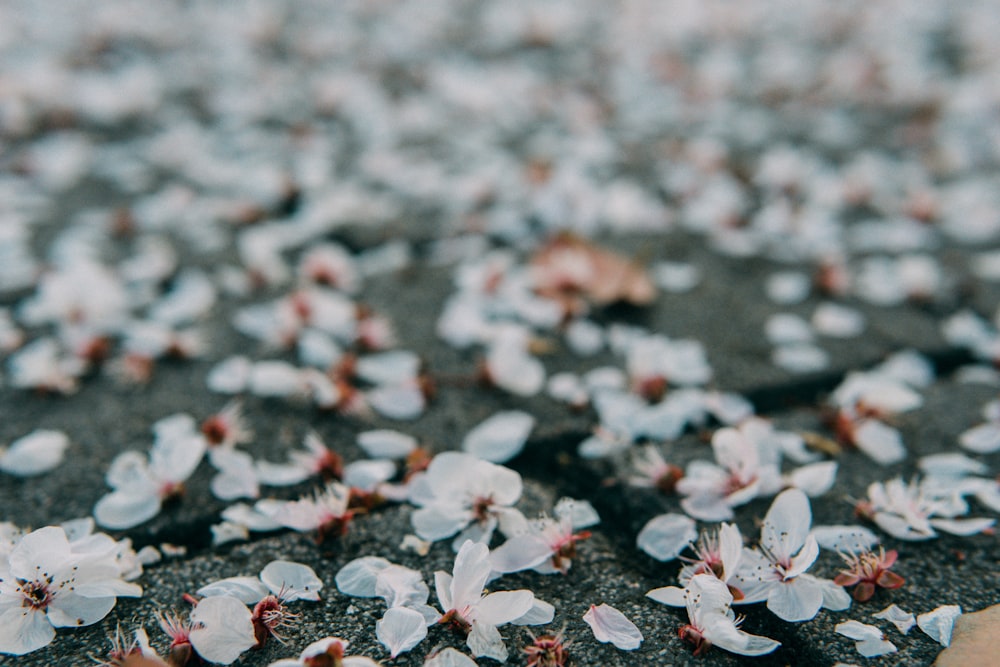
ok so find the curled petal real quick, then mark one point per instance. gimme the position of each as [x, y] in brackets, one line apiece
[611, 626]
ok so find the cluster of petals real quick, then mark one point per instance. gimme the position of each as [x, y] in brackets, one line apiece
[864, 403]
[712, 621]
[776, 571]
[548, 545]
[461, 493]
[49, 581]
[916, 510]
[748, 460]
[141, 484]
[466, 608]
[405, 622]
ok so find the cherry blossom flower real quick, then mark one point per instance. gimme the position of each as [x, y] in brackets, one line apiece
[460, 493]
[611, 626]
[713, 623]
[869, 640]
[863, 401]
[141, 485]
[866, 570]
[227, 427]
[45, 584]
[654, 362]
[718, 554]
[711, 490]
[36, 453]
[316, 460]
[326, 512]
[477, 615]
[777, 571]
[330, 264]
[44, 366]
[653, 471]
[913, 511]
[549, 545]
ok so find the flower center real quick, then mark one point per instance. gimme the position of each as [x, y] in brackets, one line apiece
[36, 594]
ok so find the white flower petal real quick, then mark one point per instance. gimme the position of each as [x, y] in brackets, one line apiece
[963, 527]
[34, 454]
[471, 571]
[484, 641]
[665, 536]
[402, 402]
[358, 578]
[541, 613]
[796, 600]
[883, 444]
[70, 610]
[400, 629]
[939, 623]
[248, 590]
[786, 523]
[610, 625]
[386, 444]
[982, 439]
[294, 581]
[223, 629]
[521, 552]
[504, 606]
[23, 630]
[450, 657]
[500, 437]
[669, 595]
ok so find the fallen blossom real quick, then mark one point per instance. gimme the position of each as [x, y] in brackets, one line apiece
[460, 493]
[141, 485]
[611, 626]
[915, 511]
[326, 512]
[549, 544]
[713, 623]
[45, 584]
[718, 554]
[776, 572]
[867, 570]
[471, 612]
[547, 650]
